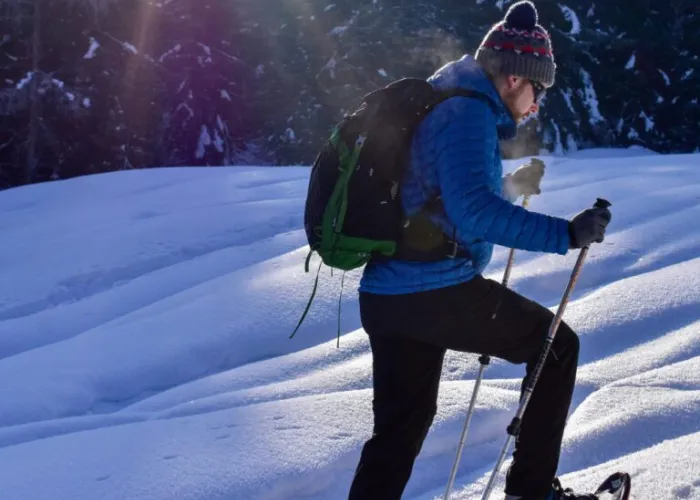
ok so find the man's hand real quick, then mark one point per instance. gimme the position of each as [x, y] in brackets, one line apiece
[525, 180]
[588, 227]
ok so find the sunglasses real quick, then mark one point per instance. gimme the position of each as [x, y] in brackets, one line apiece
[539, 90]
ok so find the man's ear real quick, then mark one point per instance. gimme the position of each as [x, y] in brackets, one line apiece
[514, 81]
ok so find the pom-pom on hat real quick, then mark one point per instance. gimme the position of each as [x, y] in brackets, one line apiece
[519, 46]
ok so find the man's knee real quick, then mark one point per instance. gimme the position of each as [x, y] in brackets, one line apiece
[404, 423]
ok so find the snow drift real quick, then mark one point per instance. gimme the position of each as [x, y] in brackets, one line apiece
[144, 351]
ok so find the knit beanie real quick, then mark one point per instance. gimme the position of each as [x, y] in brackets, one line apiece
[519, 46]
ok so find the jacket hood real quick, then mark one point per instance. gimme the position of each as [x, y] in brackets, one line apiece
[467, 73]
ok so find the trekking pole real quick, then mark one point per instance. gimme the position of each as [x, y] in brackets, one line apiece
[511, 255]
[514, 427]
[484, 361]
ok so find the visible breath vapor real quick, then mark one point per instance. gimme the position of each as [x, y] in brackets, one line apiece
[438, 48]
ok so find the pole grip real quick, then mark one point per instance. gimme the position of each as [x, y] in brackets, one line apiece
[537, 161]
[602, 203]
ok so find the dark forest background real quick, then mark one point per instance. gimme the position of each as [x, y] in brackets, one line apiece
[95, 86]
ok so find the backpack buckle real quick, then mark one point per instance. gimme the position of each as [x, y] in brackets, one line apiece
[455, 245]
[453, 253]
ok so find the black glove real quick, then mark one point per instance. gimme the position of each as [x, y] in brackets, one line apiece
[588, 227]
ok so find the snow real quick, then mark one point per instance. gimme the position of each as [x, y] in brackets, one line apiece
[130, 48]
[571, 16]
[205, 48]
[340, 30]
[176, 48]
[204, 141]
[609, 153]
[558, 146]
[567, 94]
[590, 98]
[25, 81]
[218, 142]
[648, 121]
[145, 315]
[632, 61]
[667, 80]
[181, 86]
[330, 66]
[186, 107]
[94, 45]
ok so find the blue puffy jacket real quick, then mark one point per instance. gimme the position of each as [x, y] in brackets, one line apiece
[455, 152]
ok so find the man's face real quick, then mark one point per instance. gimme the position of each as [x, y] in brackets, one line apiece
[521, 96]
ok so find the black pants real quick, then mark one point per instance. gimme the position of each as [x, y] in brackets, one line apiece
[409, 335]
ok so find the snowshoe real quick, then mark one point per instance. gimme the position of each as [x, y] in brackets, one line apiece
[615, 487]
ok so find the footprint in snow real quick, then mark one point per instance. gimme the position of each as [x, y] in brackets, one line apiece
[169, 457]
[288, 427]
[683, 491]
[103, 478]
[341, 435]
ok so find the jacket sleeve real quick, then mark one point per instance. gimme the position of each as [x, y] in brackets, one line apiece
[505, 193]
[465, 142]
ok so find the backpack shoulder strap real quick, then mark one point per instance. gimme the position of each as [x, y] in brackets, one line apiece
[443, 95]
[434, 204]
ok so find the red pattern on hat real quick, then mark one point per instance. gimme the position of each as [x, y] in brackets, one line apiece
[529, 49]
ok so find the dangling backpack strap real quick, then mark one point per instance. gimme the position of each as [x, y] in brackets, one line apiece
[340, 301]
[313, 292]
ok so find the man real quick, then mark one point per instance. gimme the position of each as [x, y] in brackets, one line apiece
[414, 311]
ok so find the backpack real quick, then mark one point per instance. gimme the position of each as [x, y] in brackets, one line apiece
[353, 211]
